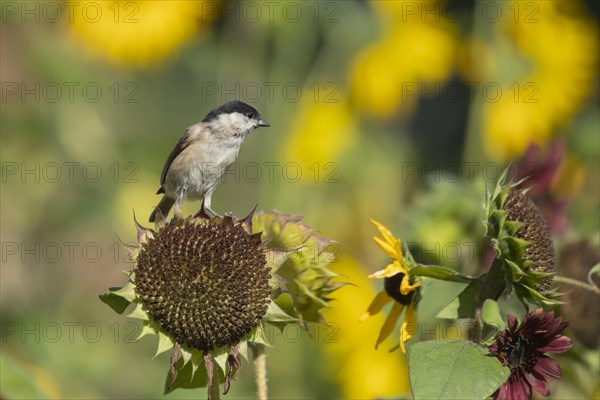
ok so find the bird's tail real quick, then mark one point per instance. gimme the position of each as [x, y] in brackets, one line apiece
[164, 206]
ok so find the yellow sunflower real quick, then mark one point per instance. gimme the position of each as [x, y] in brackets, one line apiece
[139, 33]
[562, 48]
[385, 78]
[320, 135]
[397, 287]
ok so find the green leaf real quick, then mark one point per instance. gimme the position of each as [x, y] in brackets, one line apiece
[528, 294]
[514, 271]
[114, 301]
[453, 370]
[186, 354]
[257, 335]
[496, 221]
[276, 258]
[136, 311]
[513, 248]
[276, 314]
[243, 349]
[198, 362]
[594, 271]
[220, 356]
[164, 343]
[496, 246]
[490, 312]
[148, 328]
[276, 282]
[285, 302]
[442, 273]
[127, 292]
[511, 227]
[188, 377]
[464, 305]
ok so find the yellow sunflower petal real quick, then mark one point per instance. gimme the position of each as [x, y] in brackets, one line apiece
[390, 322]
[389, 249]
[408, 327]
[385, 232]
[406, 287]
[391, 270]
[377, 304]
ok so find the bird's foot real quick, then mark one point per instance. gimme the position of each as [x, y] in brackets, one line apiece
[206, 212]
[177, 213]
[213, 212]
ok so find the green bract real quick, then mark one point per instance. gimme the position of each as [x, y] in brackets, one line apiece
[304, 277]
[521, 239]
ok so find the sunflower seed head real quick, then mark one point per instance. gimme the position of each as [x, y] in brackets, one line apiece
[205, 282]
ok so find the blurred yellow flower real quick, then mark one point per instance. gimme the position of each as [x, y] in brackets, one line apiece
[397, 287]
[320, 133]
[562, 42]
[376, 84]
[136, 198]
[475, 58]
[139, 33]
[362, 372]
[569, 179]
[417, 48]
[510, 127]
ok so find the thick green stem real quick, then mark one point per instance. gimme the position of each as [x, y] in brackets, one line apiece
[477, 325]
[260, 369]
[493, 282]
[492, 286]
[576, 283]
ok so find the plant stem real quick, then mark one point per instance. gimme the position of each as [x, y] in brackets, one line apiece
[260, 368]
[491, 286]
[577, 283]
[213, 377]
[477, 325]
[213, 387]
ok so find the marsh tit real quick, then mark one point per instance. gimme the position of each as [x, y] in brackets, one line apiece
[203, 153]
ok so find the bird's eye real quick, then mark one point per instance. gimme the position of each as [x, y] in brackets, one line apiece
[249, 115]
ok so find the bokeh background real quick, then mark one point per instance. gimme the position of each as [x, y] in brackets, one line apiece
[402, 111]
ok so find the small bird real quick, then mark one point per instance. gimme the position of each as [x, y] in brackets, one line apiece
[203, 153]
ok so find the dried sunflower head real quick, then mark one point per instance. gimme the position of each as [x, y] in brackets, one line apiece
[207, 284]
[521, 239]
[207, 288]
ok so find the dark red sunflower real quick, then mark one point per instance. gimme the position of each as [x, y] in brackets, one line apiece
[522, 348]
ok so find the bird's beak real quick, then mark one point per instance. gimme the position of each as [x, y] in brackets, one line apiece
[262, 122]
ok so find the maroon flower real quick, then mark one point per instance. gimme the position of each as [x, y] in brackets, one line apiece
[521, 349]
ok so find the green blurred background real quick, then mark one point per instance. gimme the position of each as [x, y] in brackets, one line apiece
[402, 111]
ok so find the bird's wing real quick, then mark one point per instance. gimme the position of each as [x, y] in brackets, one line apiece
[179, 147]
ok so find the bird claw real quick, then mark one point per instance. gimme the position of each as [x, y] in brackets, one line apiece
[205, 212]
[213, 212]
[177, 213]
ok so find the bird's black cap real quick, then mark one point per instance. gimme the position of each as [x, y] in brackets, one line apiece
[231, 107]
